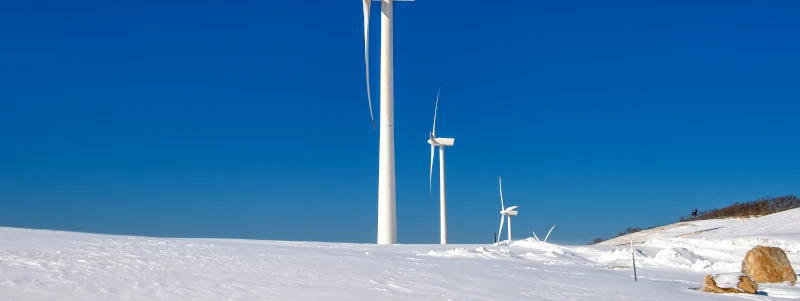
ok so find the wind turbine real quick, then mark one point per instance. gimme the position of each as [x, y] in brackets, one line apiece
[548, 234]
[387, 209]
[441, 143]
[505, 212]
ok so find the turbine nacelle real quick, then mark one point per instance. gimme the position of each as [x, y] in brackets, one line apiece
[510, 211]
[441, 141]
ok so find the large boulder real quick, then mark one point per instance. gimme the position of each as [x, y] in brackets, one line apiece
[732, 283]
[768, 265]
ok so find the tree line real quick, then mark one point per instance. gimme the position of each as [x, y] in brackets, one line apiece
[759, 207]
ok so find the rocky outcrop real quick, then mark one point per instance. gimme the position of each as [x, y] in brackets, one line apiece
[768, 265]
[729, 283]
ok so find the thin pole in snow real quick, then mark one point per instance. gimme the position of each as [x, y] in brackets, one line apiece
[633, 257]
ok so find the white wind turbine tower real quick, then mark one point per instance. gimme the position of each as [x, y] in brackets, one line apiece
[441, 143]
[505, 212]
[387, 213]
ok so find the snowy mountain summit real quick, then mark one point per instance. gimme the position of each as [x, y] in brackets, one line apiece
[671, 263]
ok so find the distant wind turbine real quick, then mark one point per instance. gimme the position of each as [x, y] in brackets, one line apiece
[441, 143]
[505, 212]
[387, 208]
[545, 238]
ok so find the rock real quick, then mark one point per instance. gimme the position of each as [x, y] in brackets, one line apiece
[768, 265]
[730, 283]
[747, 285]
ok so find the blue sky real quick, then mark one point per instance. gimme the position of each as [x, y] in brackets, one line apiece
[250, 119]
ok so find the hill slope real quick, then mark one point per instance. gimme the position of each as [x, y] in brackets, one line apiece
[782, 228]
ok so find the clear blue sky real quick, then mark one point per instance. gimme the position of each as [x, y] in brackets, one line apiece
[249, 119]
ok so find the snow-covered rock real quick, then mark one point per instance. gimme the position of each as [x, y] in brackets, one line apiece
[729, 283]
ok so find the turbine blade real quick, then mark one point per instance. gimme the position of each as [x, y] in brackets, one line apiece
[502, 205]
[366, 57]
[436, 108]
[534, 235]
[500, 232]
[548, 233]
[430, 190]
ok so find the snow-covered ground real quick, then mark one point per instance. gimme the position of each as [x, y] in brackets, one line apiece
[671, 261]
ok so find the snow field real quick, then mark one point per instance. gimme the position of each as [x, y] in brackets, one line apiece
[671, 262]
